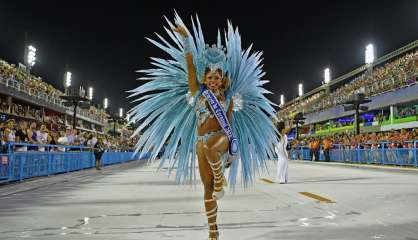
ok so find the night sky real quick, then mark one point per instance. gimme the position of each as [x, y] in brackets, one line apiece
[103, 43]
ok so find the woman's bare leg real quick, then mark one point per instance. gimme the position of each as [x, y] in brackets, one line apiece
[208, 184]
[213, 149]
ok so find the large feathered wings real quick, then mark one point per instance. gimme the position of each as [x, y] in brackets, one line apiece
[166, 111]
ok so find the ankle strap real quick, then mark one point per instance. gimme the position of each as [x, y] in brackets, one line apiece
[212, 224]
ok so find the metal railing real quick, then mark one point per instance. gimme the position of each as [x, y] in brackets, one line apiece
[384, 154]
[21, 87]
[373, 89]
[18, 161]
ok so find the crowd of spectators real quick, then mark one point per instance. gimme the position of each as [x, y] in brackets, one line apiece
[393, 147]
[403, 138]
[396, 74]
[28, 81]
[33, 113]
[20, 79]
[407, 112]
[393, 75]
[21, 110]
[29, 124]
[12, 131]
[377, 118]
[301, 105]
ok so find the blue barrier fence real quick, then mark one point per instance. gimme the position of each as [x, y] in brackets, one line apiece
[17, 165]
[109, 158]
[384, 155]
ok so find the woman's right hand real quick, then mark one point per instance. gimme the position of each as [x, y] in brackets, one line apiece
[181, 30]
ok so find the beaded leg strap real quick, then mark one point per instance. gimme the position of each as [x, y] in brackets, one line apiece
[212, 165]
[216, 169]
[218, 178]
[212, 213]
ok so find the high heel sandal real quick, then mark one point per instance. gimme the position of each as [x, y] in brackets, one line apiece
[211, 214]
[213, 232]
[217, 235]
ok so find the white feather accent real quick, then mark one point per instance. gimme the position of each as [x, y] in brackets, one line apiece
[238, 102]
[190, 99]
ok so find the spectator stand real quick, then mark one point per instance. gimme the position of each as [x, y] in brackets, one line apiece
[18, 84]
[392, 72]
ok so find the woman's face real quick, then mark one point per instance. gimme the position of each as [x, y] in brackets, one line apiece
[23, 125]
[213, 80]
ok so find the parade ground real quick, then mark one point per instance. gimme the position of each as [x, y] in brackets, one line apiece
[134, 201]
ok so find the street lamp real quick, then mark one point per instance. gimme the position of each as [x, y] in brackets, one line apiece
[90, 95]
[300, 87]
[327, 76]
[75, 97]
[105, 103]
[116, 119]
[298, 120]
[355, 103]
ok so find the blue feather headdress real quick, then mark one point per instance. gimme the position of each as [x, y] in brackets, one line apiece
[215, 59]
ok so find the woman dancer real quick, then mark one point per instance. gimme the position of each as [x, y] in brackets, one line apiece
[207, 101]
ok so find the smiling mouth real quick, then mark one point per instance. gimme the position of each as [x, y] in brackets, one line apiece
[213, 85]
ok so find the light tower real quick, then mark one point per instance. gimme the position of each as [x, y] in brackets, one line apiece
[327, 76]
[30, 58]
[300, 89]
[90, 93]
[105, 103]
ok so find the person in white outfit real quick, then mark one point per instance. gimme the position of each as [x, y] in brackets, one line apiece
[283, 159]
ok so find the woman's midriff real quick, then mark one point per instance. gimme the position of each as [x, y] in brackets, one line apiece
[210, 125]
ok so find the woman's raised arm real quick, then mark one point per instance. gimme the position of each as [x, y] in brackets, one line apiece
[191, 69]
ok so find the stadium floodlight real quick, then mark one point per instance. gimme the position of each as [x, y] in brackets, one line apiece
[68, 79]
[300, 87]
[327, 76]
[31, 58]
[121, 112]
[90, 95]
[369, 54]
[105, 103]
[281, 99]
